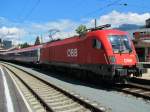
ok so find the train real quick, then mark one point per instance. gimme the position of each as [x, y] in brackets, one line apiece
[108, 53]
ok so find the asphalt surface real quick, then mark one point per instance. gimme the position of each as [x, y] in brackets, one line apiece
[116, 101]
[18, 103]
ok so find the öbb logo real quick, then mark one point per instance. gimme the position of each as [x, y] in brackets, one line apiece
[72, 52]
[128, 60]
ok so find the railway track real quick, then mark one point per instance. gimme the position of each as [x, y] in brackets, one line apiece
[140, 81]
[135, 89]
[45, 97]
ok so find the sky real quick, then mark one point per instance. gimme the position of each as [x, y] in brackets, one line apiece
[22, 20]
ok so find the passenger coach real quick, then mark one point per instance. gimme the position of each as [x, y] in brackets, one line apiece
[28, 55]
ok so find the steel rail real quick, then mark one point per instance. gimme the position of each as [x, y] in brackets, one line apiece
[85, 103]
[134, 89]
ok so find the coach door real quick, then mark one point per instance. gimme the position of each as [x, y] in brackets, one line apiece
[38, 54]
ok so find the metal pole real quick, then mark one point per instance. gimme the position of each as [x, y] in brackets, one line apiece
[95, 23]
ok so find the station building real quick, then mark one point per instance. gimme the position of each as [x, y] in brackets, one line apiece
[141, 40]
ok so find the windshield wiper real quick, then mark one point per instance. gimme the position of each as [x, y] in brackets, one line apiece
[120, 51]
[130, 50]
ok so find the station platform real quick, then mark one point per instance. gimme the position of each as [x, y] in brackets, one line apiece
[146, 75]
[147, 66]
[10, 98]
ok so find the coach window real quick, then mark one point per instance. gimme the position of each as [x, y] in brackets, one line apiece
[96, 44]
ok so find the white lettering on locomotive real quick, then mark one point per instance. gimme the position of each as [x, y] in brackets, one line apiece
[72, 52]
[128, 60]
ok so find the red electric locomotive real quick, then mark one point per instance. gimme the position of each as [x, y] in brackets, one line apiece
[108, 53]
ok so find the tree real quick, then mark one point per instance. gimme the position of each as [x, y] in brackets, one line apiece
[81, 30]
[24, 45]
[37, 41]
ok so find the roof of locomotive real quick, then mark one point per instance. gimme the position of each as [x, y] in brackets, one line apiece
[87, 35]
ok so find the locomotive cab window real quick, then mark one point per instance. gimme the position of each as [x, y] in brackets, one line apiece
[96, 44]
[120, 43]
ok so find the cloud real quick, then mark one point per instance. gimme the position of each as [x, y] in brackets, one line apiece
[117, 18]
[66, 29]
[3, 21]
[61, 25]
[11, 33]
[27, 31]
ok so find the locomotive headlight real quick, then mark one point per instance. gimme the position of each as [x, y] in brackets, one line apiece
[112, 59]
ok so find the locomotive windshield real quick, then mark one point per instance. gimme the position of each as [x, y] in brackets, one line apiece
[120, 43]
